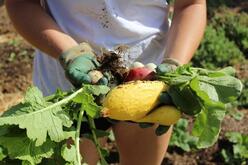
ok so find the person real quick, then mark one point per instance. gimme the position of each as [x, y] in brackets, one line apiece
[57, 27]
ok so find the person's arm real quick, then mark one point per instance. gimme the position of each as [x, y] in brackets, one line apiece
[37, 27]
[187, 29]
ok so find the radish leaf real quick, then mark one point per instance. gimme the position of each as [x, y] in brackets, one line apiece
[69, 154]
[202, 92]
[22, 148]
[38, 117]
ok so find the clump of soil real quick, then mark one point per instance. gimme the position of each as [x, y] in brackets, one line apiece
[112, 62]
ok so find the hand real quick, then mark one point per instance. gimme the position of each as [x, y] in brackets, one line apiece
[168, 65]
[78, 62]
[105, 79]
[164, 98]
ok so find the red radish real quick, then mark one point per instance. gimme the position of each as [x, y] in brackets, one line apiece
[137, 65]
[151, 66]
[140, 74]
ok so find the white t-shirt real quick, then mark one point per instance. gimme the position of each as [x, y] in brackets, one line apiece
[140, 24]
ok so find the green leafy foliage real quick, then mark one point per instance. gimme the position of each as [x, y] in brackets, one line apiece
[36, 130]
[38, 117]
[216, 50]
[214, 5]
[238, 153]
[235, 26]
[236, 114]
[87, 101]
[41, 125]
[185, 99]
[225, 41]
[181, 137]
[97, 90]
[25, 149]
[91, 108]
[69, 154]
[243, 99]
[207, 124]
[2, 155]
[203, 93]
[241, 147]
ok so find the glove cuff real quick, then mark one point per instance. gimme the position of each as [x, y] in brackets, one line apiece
[69, 55]
[171, 61]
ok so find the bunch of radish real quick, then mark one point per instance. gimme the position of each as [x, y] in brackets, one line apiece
[139, 71]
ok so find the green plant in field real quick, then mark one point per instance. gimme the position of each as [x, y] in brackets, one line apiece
[181, 137]
[214, 5]
[235, 26]
[12, 56]
[233, 111]
[2, 154]
[225, 41]
[243, 99]
[216, 50]
[14, 42]
[238, 153]
[35, 131]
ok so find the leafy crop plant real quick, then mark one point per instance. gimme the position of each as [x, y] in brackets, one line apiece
[46, 130]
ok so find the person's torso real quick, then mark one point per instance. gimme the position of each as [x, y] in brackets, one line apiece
[110, 22]
[139, 24]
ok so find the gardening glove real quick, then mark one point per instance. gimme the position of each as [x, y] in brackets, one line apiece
[165, 99]
[105, 79]
[77, 62]
[168, 65]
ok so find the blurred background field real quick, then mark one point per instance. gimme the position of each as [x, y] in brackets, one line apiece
[225, 44]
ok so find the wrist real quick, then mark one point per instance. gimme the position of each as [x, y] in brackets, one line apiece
[67, 47]
[171, 61]
[59, 43]
[71, 53]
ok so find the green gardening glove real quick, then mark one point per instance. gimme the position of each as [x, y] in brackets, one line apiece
[164, 99]
[105, 79]
[78, 62]
[168, 65]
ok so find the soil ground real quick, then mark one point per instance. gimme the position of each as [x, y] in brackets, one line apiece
[16, 74]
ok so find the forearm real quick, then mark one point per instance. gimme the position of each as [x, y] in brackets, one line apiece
[37, 27]
[186, 31]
